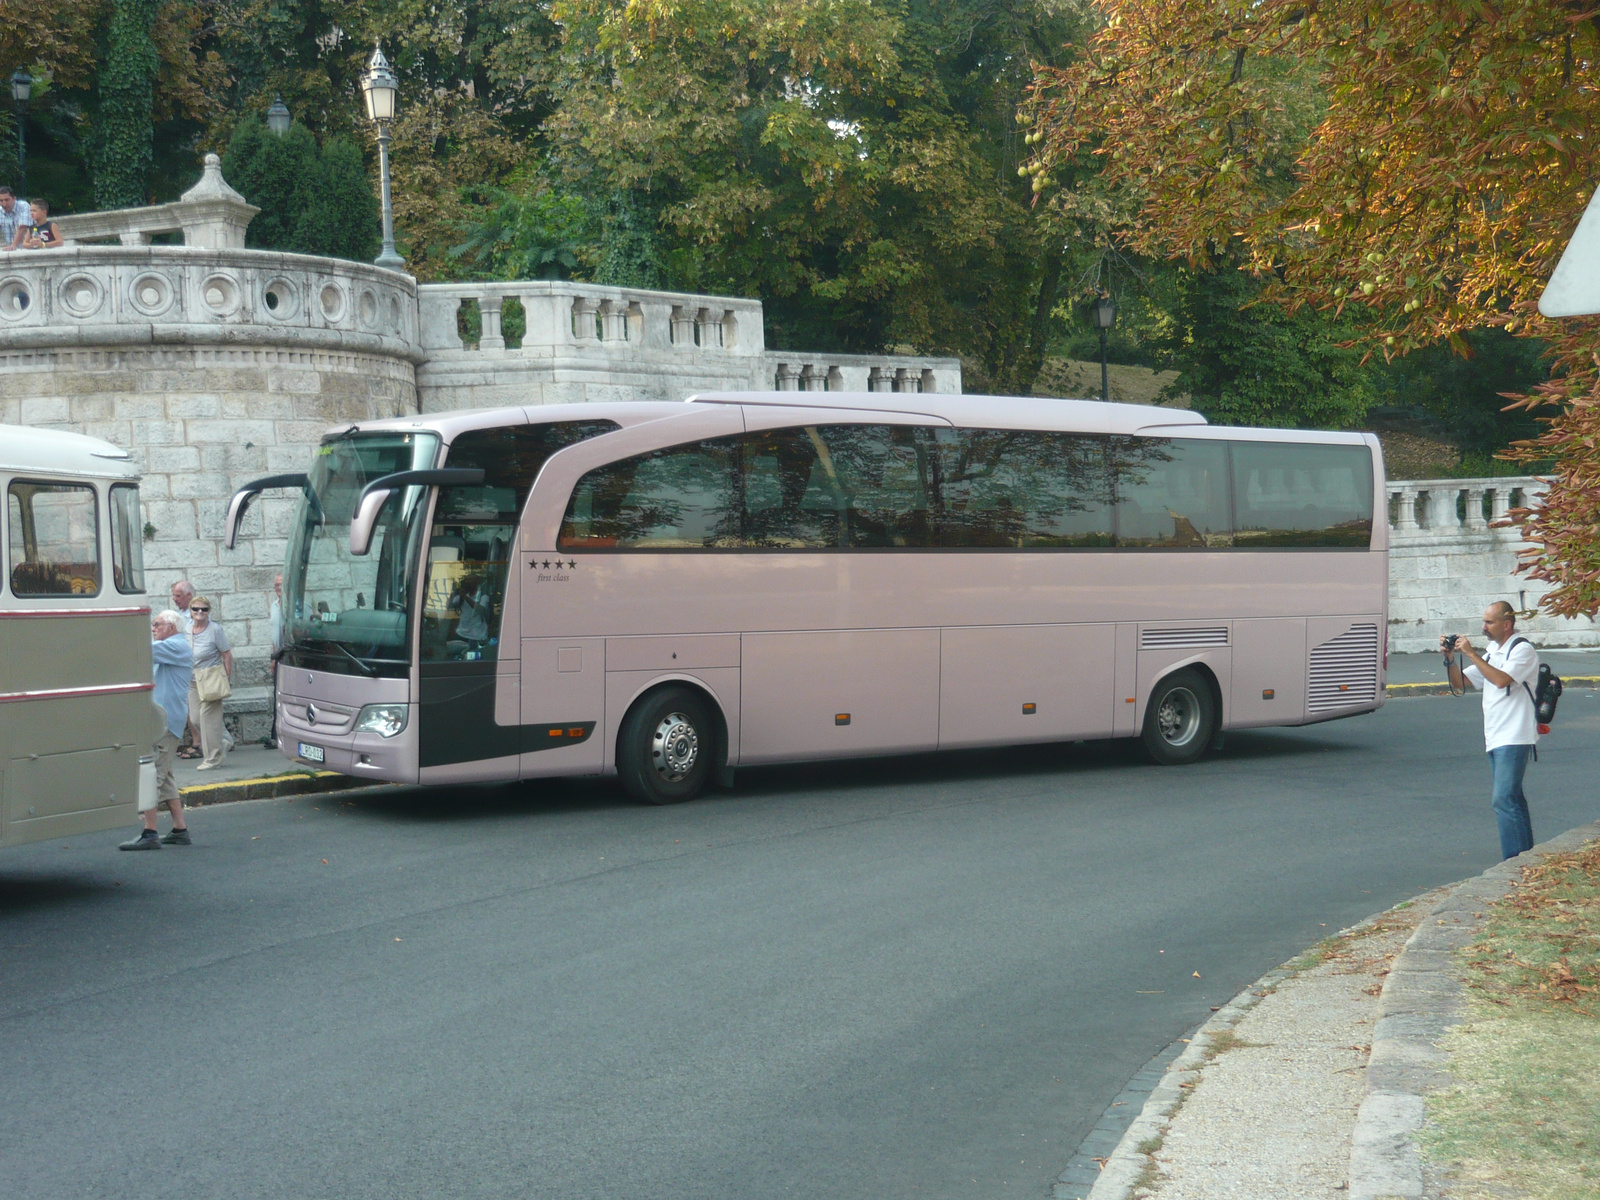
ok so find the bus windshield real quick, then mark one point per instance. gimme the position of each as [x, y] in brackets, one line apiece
[351, 611]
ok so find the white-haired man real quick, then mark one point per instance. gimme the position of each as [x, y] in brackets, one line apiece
[174, 665]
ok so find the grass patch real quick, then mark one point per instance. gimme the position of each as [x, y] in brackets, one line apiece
[1524, 1117]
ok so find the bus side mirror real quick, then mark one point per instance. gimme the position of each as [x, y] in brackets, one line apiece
[366, 519]
[241, 500]
[376, 494]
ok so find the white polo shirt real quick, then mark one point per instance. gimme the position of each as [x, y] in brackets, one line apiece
[1508, 716]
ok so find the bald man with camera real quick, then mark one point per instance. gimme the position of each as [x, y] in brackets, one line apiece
[1506, 674]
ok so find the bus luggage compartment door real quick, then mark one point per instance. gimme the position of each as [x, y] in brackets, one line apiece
[839, 693]
[1028, 683]
[563, 705]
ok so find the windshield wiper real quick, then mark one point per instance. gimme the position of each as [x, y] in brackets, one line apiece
[360, 662]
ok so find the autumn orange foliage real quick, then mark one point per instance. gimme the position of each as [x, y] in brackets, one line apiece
[1425, 161]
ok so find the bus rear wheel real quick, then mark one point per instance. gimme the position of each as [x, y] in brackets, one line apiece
[666, 747]
[1180, 720]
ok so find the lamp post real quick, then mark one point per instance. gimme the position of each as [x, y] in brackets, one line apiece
[21, 90]
[1104, 313]
[380, 86]
[278, 116]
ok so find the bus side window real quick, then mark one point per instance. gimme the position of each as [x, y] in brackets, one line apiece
[54, 534]
[1302, 495]
[1022, 489]
[1172, 493]
[127, 544]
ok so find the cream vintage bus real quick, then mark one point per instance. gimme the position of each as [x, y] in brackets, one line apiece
[75, 671]
[669, 591]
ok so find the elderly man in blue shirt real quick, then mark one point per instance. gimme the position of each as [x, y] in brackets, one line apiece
[174, 665]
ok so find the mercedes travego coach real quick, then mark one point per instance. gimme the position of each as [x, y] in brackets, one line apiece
[669, 591]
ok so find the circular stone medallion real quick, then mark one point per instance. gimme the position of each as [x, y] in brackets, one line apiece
[221, 294]
[281, 299]
[151, 294]
[82, 295]
[16, 299]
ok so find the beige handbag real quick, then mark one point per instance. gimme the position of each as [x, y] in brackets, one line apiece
[211, 683]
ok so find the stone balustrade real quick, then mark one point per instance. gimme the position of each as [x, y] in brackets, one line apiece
[561, 317]
[861, 373]
[1450, 555]
[81, 296]
[210, 215]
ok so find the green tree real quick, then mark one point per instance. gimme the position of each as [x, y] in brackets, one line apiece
[314, 200]
[1248, 363]
[537, 233]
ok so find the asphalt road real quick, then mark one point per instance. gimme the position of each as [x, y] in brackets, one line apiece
[904, 978]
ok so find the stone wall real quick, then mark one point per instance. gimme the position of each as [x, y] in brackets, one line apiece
[1447, 563]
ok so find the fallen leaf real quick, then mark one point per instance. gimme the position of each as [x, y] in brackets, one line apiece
[1196, 974]
[397, 939]
[324, 862]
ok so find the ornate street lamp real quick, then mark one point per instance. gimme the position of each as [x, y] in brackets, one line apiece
[278, 116]
[1104, 313]
[380, 86]
[21, 90]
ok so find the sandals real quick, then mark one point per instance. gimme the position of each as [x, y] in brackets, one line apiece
[190, 752]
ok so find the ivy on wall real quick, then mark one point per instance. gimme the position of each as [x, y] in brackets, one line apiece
[123, 140]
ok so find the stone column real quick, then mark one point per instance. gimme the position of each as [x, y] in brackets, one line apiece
[1475, 518]
[1408, 509]
[489, 309]
[682, 323]
[1499, 502]
[877, 381]
[613, 321]
[811, 379]
[583, 311]
[902, 380]
[709, 326]
[788, 378]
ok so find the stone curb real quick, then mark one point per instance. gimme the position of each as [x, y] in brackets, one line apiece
[1420, 1002]
[1127, 1164]
[1395, 690]
[300, 783]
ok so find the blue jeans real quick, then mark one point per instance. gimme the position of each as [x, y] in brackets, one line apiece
[1510, 805]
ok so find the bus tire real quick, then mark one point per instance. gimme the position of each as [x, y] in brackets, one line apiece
[1180, 720]
[667, 747]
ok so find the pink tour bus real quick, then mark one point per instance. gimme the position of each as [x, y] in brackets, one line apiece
[669, 591]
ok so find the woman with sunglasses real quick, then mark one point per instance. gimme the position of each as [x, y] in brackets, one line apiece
[211, 649]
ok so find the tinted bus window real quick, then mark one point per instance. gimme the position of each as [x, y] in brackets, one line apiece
[861, 486]
[54, 539]
[1302, 495]
[127, 544]
[475, 528]
[1172, 493]
[1020, 489]
[678, 498]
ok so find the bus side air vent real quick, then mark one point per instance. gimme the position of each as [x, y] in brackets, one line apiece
[1344, 672]
[1177, 639]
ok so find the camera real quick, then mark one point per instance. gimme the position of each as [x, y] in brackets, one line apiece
[1449, 641]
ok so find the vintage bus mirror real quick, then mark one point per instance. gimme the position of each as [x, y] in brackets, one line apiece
[376, 493]
[241, 500]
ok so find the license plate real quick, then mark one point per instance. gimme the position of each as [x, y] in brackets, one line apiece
[312, 753]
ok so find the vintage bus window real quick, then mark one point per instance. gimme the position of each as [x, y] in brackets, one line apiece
[1005, 488]
[475, 528]
[54, 539]
[678, 498]
[1288, 494]
[127, 539]
[1172, 493]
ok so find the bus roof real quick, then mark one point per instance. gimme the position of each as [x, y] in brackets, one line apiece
[967, 411]
[1095, 416]
[52, 452]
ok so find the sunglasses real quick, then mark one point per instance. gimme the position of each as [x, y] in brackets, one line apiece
[197, 608]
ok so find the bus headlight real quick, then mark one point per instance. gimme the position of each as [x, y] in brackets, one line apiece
[386, 720]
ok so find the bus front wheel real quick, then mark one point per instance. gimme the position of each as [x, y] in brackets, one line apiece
[1181, 719]
[667, 745]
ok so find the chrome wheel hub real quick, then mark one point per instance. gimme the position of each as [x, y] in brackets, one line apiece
[1178, 718]
[674, 747]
